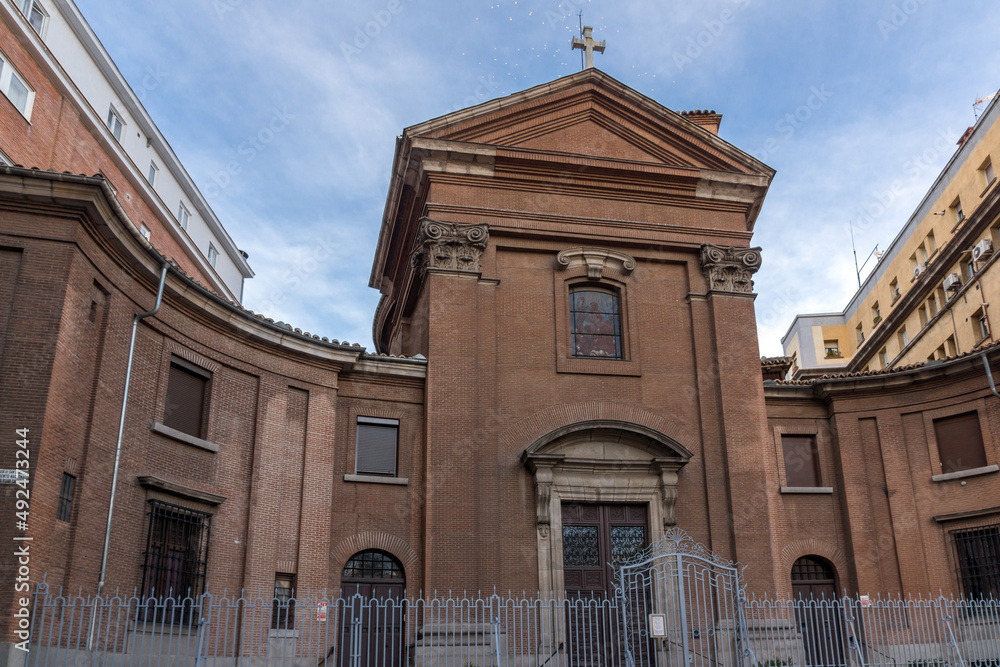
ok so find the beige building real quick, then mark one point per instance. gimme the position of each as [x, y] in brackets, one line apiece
[929, 296]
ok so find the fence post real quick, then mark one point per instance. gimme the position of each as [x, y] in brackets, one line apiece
[947, 618]
[854, 646]
[356, 641]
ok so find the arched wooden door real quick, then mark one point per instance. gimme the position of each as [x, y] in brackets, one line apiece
[373, 586]
[818, 611]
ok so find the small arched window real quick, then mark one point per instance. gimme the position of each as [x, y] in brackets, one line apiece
[595, 323]
[814, 577]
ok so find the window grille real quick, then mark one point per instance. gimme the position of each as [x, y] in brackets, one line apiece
[372, 564]
[65, 509]
[283, 605]
[176, 551]
[977, 559]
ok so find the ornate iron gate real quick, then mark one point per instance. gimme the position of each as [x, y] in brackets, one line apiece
[681, 606]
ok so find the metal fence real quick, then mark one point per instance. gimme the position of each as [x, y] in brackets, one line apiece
[481, 631]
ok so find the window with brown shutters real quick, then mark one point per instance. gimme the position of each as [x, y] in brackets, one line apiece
[801, 460]
[187, 398]
[377, 441]
[960, 442]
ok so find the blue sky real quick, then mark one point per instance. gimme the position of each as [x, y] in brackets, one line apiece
[841, 98]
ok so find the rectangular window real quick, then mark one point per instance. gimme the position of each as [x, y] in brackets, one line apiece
[187, 398]
[283, 604]
[15, 87]
[377, 444]
[175, 558]
[956, 209]
[213, 255]
[595, 323]
[984, 325]
[861, 334]
[65, 510]
[894, 289]
[144, 230]
[115, 123]
[801, 460]
[832, 348]
[153, 171]
[4, 159]
[988, 174]
[183, 216]
[876, 314]
[977, 557]
[960, 442]
[35, 14]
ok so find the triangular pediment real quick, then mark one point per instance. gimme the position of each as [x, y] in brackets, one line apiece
[591, 114]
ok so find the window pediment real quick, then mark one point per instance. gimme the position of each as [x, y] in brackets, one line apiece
[597, 261]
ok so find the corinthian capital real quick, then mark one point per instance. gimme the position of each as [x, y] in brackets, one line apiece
[449, 246]
[729, 269]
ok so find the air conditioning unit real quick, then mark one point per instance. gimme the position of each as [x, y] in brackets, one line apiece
[952, 282]
[983, 249]
[917, 272]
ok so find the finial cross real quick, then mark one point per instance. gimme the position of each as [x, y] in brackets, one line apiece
[589, 45]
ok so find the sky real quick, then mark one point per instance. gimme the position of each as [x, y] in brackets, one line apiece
[286, 115]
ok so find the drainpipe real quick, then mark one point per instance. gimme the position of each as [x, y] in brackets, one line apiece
[121, 433]
[989, 374]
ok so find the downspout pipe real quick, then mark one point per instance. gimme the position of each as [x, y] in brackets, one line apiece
[989, 375]
[121, 433]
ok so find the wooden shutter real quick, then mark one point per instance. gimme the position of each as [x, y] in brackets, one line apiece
[376, 454]
[801, 460]
[960, 442]
[185, 400]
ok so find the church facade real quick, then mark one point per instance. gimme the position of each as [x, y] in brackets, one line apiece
[566, 367]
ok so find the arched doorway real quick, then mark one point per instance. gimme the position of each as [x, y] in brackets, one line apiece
[818, 611]
[373, 586]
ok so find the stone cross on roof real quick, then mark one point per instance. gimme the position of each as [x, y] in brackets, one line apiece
[589, 45]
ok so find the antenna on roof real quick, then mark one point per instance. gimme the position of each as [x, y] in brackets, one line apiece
[875, 252]
[977, 106]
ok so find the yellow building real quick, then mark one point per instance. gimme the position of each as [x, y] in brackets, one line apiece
[929, 296]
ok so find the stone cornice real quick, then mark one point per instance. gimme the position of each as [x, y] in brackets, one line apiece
[114, 233]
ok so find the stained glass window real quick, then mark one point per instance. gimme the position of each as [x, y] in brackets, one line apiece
[595, 323]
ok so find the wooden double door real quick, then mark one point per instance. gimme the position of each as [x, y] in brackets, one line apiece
[595, 537]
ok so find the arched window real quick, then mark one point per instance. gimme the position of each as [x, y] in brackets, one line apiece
[595, 323]
[815, 577]
[373, 571]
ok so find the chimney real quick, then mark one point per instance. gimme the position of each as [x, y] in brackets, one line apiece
[707, 119]
[965, 137]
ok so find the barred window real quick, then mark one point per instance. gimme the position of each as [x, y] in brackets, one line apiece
[977, 557]
[65, 510]
[283, 611]
[176, 551]
[372, 564]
